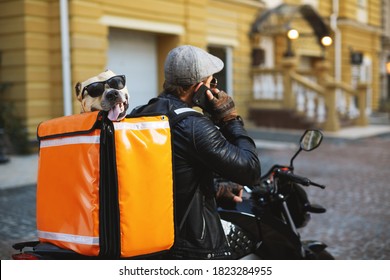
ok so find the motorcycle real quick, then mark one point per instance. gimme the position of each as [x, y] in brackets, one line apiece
[263, 226]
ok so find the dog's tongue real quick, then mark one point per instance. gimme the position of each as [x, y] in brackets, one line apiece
[113, 114]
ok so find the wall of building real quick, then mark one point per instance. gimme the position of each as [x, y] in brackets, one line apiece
[361, 32]
[30, 59]
[30, 43]
[360, 29]
[13, 53]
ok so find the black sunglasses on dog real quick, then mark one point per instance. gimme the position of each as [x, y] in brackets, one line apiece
[97, 88]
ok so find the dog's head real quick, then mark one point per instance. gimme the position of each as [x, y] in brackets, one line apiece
[106, 91]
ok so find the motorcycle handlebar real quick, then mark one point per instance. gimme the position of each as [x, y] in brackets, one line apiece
[296, 179]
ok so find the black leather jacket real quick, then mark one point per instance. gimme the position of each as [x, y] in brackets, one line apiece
[201, 150]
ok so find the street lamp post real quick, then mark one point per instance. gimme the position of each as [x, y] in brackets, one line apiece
[326, 41]
[291, 35]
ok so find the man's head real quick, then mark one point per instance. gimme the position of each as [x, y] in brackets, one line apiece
[187, 65]
[106, 91]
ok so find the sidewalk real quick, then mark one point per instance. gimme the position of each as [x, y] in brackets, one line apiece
[19, 171]
[293, 135]
[22, 170]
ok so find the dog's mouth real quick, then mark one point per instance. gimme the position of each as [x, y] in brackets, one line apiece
[118, 111]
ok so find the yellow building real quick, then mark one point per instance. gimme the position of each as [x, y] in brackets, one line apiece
[328, 84]
[47, 46]
[41, 60]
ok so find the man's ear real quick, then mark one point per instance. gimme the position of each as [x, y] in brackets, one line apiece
[78, 90]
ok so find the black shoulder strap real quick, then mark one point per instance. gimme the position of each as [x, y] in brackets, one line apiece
[177, 115]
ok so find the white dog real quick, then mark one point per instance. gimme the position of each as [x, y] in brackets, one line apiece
[106, 91]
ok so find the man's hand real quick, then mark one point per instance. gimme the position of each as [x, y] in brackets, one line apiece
[228, 193]
[222, 108]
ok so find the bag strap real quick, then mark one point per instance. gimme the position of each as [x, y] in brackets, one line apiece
[176, 116]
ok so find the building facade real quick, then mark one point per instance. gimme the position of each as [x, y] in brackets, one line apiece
[47, 46]
[385, 57]
[128, 37]
[354, 58]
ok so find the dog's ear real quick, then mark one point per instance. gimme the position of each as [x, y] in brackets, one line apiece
[78, 89]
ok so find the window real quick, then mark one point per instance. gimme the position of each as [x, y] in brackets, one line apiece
[225, 77]
[361, 11]
[273, 3]
[313, 3]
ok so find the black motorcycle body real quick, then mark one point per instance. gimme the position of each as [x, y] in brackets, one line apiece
[272, 212]
[271, 236]
[263, 226]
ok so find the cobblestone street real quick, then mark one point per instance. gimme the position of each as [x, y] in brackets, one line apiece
[17, 216]
[355, 227]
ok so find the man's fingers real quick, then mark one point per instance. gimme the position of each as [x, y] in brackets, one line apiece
[210, 96]
[238, 197]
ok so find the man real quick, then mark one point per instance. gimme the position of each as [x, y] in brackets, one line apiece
[204, 146]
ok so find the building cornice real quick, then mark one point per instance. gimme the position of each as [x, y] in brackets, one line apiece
[360, 26]
[142, 25]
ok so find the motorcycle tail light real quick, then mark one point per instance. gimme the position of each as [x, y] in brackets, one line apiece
[24, 256]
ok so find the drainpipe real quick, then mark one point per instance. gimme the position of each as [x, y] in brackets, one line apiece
[66, 76]
[337, 40]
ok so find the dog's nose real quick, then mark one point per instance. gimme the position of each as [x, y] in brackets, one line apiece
[112, 95]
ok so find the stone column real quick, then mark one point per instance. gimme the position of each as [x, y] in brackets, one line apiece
[332, 122]
[288, 65]
[362, 104]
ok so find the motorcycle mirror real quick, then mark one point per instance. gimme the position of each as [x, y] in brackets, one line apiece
[310, 140]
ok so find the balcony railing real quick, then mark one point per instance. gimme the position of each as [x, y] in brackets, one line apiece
[318, 97]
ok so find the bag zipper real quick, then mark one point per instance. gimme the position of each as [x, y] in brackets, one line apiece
[108, 195]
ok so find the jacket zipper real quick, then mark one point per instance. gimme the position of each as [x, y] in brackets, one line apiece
[203, 227]
[203, 221]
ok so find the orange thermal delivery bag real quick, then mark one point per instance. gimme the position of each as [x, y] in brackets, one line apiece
[106, 188]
